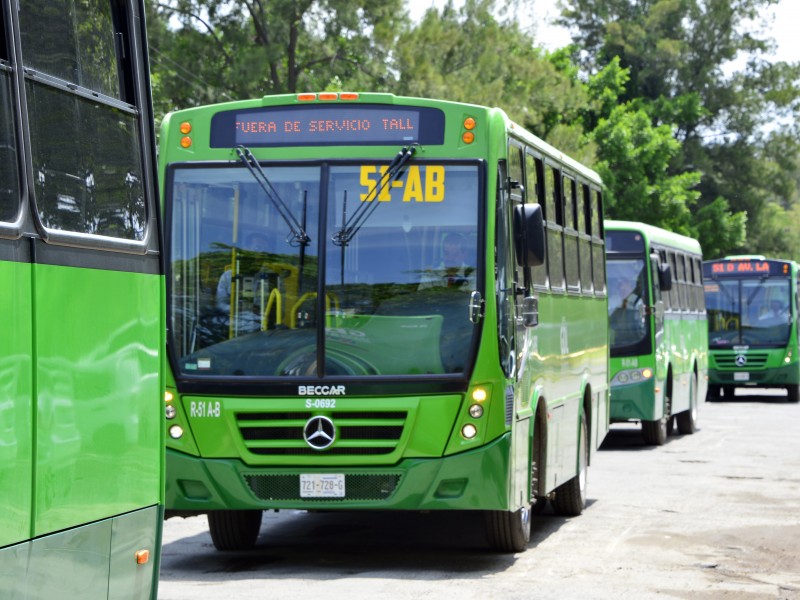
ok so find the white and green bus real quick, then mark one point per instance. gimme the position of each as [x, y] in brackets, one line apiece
[752, 324]
[379, 302]
[657, 328]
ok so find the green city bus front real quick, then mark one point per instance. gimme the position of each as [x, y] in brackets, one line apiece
[752, 325]
[342, 364]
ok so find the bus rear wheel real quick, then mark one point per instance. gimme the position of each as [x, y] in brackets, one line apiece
[687, 420]
[509, 531]
[234, 529]
[570, 497]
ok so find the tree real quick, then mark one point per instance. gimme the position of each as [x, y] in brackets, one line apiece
[207, 51]
[679, 54]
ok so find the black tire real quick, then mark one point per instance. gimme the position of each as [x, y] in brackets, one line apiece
[655, 433]
[687, 420]
[234, 529]
[570, 496]
[714, 392]
[508, 531]
[729, 391]
[793, 393]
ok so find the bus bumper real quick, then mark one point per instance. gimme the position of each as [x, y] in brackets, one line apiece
[471, 480]
[770, 377]
[635, 402]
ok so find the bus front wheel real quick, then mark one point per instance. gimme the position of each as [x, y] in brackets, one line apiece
[509, 531]
[793, 393]
[234, 529]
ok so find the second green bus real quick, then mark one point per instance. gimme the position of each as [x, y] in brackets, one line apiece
[657, 326]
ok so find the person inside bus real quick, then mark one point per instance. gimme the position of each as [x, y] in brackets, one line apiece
[776, 312]
[626, 319]
[254, 243]
[453, 271]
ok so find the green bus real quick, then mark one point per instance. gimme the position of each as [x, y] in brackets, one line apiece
[82, 353]
[657, 325]
[752, 324]
[365, 312]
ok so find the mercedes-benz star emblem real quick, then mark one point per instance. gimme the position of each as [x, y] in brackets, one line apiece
[319, 432]
[741, 360]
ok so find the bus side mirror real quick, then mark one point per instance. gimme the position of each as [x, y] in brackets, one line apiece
[665, 278]
[529, 235]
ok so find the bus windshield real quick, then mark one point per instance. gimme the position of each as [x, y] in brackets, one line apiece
[627, 299]
[250, 297]
[750, 312]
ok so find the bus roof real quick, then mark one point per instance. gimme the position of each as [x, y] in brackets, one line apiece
[656, 235]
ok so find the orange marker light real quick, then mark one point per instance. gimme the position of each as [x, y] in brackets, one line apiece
[186, 141]
[468, 137]
[348, 96]
[142, 556]
[306, 97]
[186, 127]
[469, 123]
[328, 96]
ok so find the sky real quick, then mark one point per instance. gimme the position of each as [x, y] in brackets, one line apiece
[785, 27]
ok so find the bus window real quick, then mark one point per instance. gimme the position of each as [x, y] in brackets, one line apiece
[598, 251]
[555, 219]
[584, 234]
[92, 180]
[571, 258]
[534, 183]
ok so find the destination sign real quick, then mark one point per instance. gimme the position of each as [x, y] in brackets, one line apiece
[740, 268]
[327, 125]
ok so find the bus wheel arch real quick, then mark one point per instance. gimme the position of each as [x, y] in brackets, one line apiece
[570, 496]
[539, 458]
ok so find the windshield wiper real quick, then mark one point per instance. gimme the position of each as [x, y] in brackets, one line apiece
[297, 235]
[370, 203]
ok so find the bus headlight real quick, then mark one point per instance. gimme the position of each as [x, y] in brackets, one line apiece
[469, 431]
[476, 411]
[176, 432]
[170, 411]
[632, 376]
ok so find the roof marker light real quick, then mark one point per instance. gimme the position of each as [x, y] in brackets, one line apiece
[329, 96]
[468, 137]
[469, 123]
[186, 127]
[306, 97]
[348, 96]
[186, 141]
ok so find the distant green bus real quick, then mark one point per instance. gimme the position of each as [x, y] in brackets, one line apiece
[658, 331]
[752, 324]
[360, 317]
[81, 287]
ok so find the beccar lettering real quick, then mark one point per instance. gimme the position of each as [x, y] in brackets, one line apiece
[321, 390]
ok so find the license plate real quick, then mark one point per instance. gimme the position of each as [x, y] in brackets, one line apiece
[322, 485]
[741, 376]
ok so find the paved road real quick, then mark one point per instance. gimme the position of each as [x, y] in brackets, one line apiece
[711, 515]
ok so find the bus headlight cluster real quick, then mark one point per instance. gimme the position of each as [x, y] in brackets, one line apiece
[632, 376]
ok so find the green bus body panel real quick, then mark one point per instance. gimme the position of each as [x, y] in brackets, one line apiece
[636, 401]
[16, 404]
[91, 562]
[98, 422]
[472, 480]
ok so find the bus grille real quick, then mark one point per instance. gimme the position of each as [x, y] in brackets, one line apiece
[373, 486]
[365, 433]
[727, 361]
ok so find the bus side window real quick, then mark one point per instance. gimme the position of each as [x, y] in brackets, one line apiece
[598, 251]
[571, 259]
[534, 181]
[667, 295]
[555, 218]
[585, 238]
